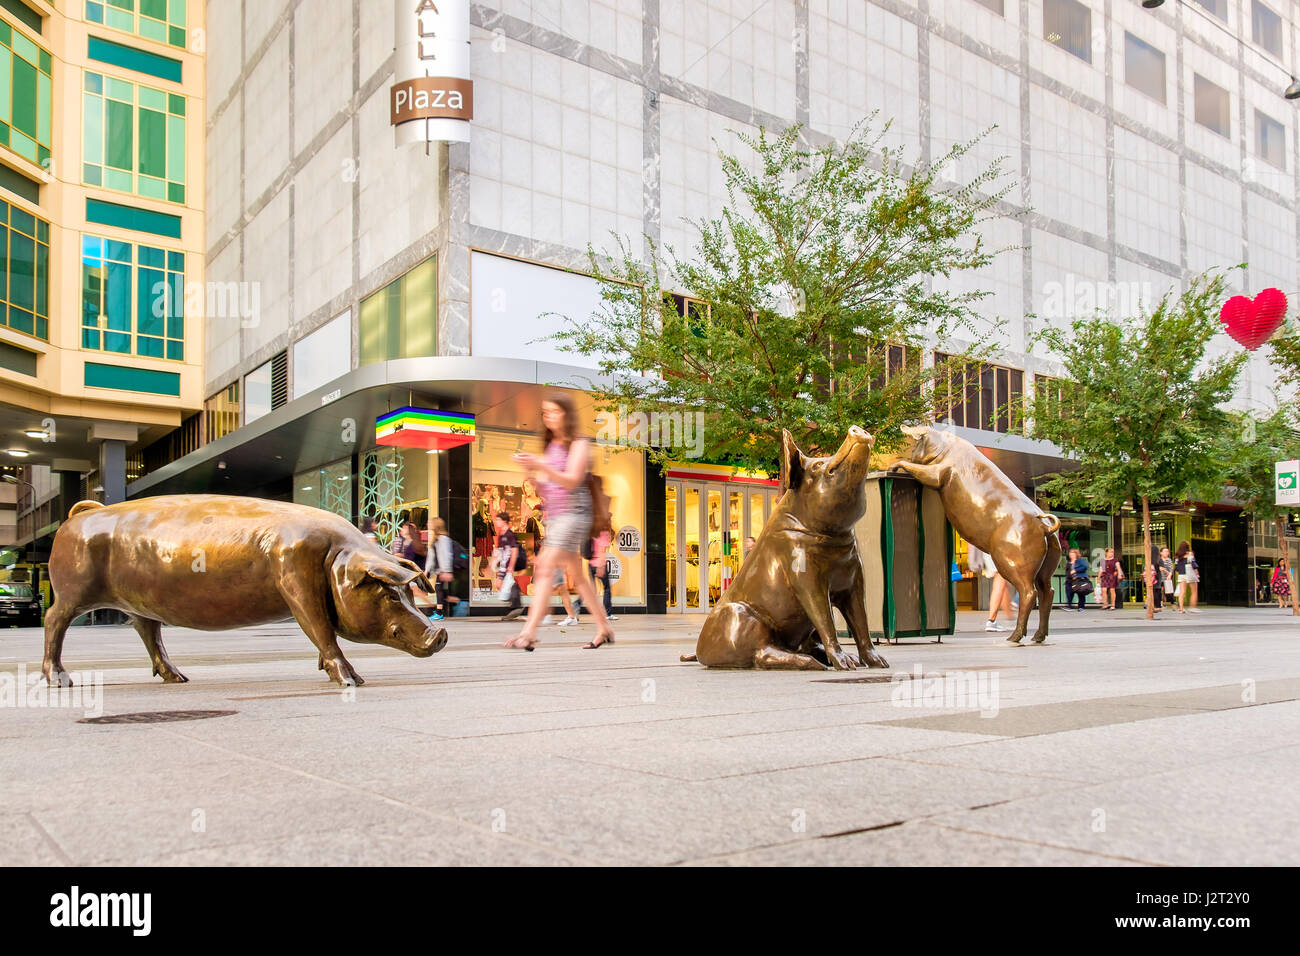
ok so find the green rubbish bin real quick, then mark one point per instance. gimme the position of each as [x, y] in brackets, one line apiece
[906, 545]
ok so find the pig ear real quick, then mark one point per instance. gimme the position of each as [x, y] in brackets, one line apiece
[793, 462]
[398, 574]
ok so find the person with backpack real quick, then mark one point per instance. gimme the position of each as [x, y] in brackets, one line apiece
[564, 472]
[440, 565]
[510, 559]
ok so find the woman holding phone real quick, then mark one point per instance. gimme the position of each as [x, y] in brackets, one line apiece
[561, 472]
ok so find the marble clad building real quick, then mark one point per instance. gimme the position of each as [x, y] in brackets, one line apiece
[1146, 145]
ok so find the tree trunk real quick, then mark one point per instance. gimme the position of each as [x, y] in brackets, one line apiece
[1146, 559]
[1280, 524]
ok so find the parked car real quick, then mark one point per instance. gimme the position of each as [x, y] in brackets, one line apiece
[20, 606]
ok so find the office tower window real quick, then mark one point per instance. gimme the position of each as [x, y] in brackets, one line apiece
[161, 20]
[24, 272]
[25, 96]
[133, 138]
[1068, 24]
[1144, 67]
[400, 320]
[132, 299]
[1265, 28]
[1212, 106]
[1270, 140]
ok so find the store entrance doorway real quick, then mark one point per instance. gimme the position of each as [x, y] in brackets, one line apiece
[706, 527]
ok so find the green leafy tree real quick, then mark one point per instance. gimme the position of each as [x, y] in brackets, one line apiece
[820, 260]
[1253, 448]
[1141, 420]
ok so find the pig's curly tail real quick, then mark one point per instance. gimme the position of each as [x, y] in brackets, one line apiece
[1053, 522]
[81, 506]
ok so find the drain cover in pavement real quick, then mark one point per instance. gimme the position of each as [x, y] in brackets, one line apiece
[156, 716]
[873, 679]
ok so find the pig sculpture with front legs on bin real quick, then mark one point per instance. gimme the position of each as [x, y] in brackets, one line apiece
[777, 612]
[214, 562]
[990, 512]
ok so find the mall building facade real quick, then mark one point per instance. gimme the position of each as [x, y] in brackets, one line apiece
[101, 236]
[1145, 145]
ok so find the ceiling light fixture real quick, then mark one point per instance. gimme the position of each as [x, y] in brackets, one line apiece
[36, 433]
[18, 453]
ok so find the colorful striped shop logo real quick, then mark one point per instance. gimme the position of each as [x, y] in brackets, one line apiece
[424, 428]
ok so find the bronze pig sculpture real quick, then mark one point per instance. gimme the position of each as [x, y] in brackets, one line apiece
[216, 561]
[777, 612]
[990, 512]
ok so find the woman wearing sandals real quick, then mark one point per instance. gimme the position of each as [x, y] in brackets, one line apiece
[1112, 577]
[1189, 576]
[561, 472]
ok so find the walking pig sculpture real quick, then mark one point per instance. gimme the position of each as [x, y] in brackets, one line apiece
[994, 515]
[216, 561]
[777, 612]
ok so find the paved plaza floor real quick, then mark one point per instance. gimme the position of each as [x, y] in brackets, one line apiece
[1119, 742]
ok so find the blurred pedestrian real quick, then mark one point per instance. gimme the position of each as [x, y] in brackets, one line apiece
[368, 528]
[1112, 573]
[439, 566]
[1280, 584]
[1167, 575]
[1153, 577]
[562, 472]
[1189, 576]
[1076, 580]
[510, 559]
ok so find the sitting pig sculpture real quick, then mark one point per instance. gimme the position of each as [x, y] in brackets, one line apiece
[777, 612]
[994, 515]
[214, 561]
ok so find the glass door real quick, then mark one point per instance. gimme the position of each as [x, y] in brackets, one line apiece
[694, 579]
[672, 547]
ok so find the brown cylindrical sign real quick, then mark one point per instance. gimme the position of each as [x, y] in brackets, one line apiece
[430, 97]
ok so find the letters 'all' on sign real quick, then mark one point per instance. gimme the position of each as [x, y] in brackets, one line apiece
[1251, 321]
[424, 428]
[433, 97]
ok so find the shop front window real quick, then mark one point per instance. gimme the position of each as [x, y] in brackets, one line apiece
[499, 485]
[394, 490]
[328, 487]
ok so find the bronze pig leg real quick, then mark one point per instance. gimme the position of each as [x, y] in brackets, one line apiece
[927, 475]
[1044, 580]
[151, 633]
[854, 608]
[57, 619]
[313, 617]
[818, 608]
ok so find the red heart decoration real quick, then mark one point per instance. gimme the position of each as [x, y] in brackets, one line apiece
[1251, 322]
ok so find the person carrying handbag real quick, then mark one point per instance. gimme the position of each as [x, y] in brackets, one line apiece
[1076, 581]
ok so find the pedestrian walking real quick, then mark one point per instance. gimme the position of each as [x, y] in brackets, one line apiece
[598, 567]
[369, 528]
[439, 566]
[1112, 573]
[979, 563]
[1153, 578]
[1189, 576]
[510, 559]
[1280, 584]
[1076, 580]
[1166, 575]
[562, 472]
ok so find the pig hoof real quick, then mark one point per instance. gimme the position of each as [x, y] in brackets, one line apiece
[1014, 639]
[174, 677]
[875, 660]
[1038, 638]
[58, 678]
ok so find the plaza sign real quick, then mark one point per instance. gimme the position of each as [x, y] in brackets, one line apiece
[433, 98]
[1286, 486]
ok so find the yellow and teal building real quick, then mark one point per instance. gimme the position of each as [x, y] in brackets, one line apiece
[102, 106]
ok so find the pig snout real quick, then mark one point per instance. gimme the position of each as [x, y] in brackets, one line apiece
[430, 642]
